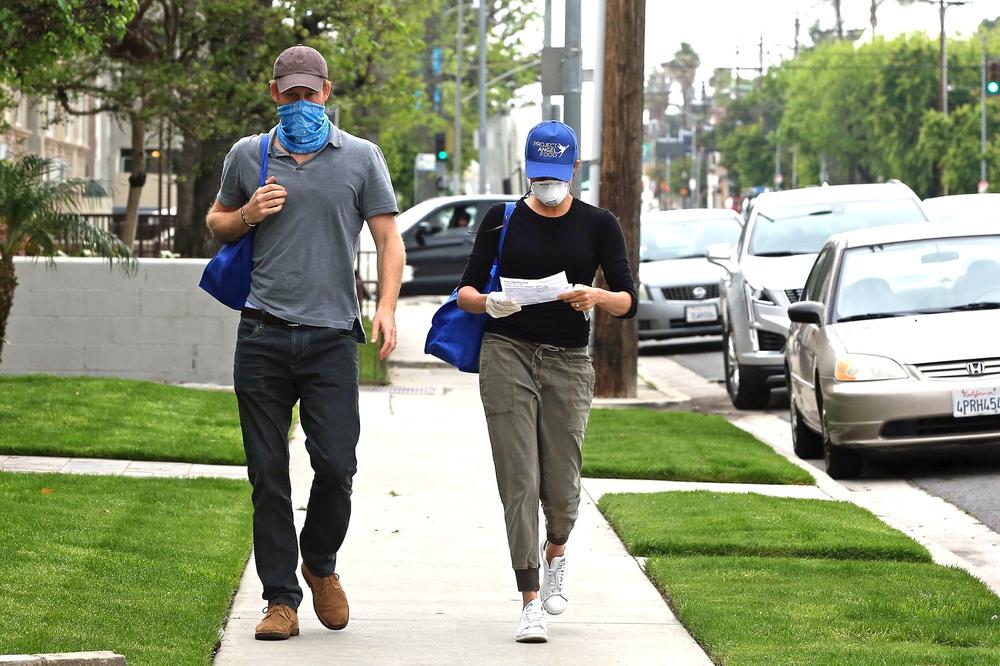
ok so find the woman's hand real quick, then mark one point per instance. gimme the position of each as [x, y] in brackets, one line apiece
[583, 298]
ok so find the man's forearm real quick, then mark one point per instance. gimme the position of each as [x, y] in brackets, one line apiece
[226, 226]
[391, 259]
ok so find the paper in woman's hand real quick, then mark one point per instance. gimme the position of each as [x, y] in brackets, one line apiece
[531, 292]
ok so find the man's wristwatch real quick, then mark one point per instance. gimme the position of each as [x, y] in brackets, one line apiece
[243, 216]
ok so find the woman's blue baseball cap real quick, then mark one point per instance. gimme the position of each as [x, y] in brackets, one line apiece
[551, 151]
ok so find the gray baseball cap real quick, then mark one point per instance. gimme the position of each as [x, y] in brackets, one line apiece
[300, 66]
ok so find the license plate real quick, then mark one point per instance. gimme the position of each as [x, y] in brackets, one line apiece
[976, 402]
[696, 314]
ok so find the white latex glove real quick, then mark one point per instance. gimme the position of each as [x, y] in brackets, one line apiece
[588, 311]
[498, 305]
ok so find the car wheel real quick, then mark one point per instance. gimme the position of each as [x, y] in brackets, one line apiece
[841, 462]
[745, 390]
[806, 443]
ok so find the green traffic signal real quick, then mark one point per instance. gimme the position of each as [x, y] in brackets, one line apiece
[993, 88]
[442, 155]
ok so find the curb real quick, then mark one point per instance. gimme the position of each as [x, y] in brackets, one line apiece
[102, 658]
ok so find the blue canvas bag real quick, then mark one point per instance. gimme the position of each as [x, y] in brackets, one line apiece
[456, 335]
[227, 275]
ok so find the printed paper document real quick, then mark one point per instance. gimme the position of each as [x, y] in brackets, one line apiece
[530, 292]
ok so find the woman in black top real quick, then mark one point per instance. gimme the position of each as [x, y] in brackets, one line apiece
[536, 377]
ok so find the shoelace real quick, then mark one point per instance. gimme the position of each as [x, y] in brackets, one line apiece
[271, 610]
[532, 616]
[331, 581]
[557, 578]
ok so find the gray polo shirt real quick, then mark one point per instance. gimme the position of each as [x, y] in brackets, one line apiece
[303, 256]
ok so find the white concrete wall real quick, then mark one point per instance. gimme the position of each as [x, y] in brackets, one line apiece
[81, 318]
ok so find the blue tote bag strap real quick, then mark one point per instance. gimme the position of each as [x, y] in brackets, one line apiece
[227, 276]
[456, 336]
[493, 284]
[265, 142]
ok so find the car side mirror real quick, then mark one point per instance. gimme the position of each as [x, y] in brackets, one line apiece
[721, 254]
[807, 312]
[423, 229]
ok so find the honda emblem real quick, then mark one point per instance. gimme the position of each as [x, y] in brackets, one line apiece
[976, 367]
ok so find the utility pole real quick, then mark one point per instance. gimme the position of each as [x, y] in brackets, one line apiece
[982, 124]
[615, 340]
[778, 177]
[483, 153]
[944, 63]
[547, 100]
[737, 72]
[942, 6]
[457, 157]
[573, 75]
[595, 162]
[760, 62]
[797, 27]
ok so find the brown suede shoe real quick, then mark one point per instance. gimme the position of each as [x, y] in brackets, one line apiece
[329, 599]
[279, 622]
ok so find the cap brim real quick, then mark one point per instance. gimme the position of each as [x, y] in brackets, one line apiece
[549, 170]
[310, 81]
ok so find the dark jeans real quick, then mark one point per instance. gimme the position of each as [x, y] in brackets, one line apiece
[318, 367]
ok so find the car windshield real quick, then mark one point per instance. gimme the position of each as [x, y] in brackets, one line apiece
[919, 277]
[803, 229]
[684, 239]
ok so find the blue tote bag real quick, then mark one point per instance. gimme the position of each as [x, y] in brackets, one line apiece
[456, 335]
[227, 275]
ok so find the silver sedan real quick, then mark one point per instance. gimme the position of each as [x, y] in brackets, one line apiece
[895, 343]
[679, 290]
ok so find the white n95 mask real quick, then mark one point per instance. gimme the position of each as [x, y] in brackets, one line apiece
[550, 192]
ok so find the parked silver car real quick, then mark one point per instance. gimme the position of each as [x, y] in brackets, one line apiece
[766, 272]
[679, 290]
[895, 344]
[983, 207]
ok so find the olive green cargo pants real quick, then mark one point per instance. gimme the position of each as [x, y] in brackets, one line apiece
[537, 400]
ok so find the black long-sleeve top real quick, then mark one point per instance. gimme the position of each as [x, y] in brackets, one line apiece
[579, 242]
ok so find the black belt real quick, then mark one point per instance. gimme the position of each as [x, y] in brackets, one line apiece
[267, 317]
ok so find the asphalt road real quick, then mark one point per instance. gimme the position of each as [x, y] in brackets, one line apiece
[968, 477]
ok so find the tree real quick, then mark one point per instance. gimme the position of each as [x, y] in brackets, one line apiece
[37, 33]
[36, 212]
[616, 342]
[683, 69]
[175, 64]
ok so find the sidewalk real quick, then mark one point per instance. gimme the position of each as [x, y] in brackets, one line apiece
[425, 564]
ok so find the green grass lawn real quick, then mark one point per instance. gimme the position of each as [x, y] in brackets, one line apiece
[92, 417]
[814, 612]
[144, 567]
[707, 523]
[680, 446]
[761, 581]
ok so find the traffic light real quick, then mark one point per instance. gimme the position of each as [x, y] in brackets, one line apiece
[993, 80]
[440, 146]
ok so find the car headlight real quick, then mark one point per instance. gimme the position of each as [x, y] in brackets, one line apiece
[644, 295]
[865, 368]
[755, 295]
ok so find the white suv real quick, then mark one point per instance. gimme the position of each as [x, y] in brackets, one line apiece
[767, 270]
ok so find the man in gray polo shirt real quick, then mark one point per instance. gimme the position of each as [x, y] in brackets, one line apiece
[297, 338]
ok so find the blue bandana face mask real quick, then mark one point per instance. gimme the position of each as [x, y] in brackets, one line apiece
[304, 126]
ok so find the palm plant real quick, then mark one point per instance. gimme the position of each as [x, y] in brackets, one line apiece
[36, 213]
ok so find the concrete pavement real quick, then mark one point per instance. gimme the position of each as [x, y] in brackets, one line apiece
[426, 566]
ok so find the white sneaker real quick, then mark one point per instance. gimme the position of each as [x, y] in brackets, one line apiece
[553, 591]
[532, 627]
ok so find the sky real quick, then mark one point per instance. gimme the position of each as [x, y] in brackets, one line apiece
[716, 28]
